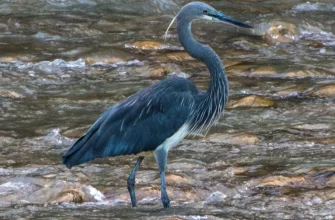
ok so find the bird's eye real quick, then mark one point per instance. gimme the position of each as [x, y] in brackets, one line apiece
[204, 11]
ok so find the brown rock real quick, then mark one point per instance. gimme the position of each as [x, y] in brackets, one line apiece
[252, 70]
[173, 179]
[325, 91]
[304, 73]
[72, 195]
[283, 181]
[292, 91]
[8, 59]
[263, 70]
[280, 31]
[311, 126]
[250, 101]
[108, 60]
[111, 56]
[158, 72]
[12, 94]
[75, 133]
[240, 170]
[330, 140]
[146, 45]
[235, 139]
[250, 171]
[316, 178]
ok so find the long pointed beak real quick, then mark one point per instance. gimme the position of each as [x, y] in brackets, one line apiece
[230, 20]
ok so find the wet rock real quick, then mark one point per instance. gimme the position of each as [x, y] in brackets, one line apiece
[146, 45]
[330, 140]
[304, 73]
[7, 59]
[18, 57]
[158, 72]
[37, 190]
[111, 56]
[283, 181]
[312, 126]
[292, 91]
[280, 31]
[173, 179]
[249, 171]
[325, 91]
[263, 70]
[316, 178]
[251, 70]
[75, 133]
[276, 71]
[71, 195]
[235, 139]
[250, 101]
[11, 94]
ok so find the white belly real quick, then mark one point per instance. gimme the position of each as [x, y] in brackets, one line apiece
[175, 139]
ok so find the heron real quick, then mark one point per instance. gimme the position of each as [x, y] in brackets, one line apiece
[158, 117]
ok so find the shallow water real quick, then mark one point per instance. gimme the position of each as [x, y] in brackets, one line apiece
[62, 63]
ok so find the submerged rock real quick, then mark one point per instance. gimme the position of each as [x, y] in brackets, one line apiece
[11, 94]
[292, 91]
[280, 31]
[158, 72]
[276, 71]
[235, 139]
[38, 190]
[250, 101]
[75, 133]
[316, 178]
[330, 140]
[111, 56]
[146, 45]
[312, 126]
[325, 91]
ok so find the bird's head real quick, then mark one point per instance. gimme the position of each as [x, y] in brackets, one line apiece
[200, 10]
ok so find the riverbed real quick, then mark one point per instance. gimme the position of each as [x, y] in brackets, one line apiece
[270, 156]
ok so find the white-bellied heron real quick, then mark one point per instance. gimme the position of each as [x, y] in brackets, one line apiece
[158, 117]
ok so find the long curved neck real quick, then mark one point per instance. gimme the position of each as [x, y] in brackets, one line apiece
[218, 80]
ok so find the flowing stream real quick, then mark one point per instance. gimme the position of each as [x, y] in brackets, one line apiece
[271, 156]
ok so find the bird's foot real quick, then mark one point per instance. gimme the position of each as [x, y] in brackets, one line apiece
[166, 202]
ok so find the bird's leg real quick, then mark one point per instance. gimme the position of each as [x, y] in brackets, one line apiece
[131, 181]
[161, 158]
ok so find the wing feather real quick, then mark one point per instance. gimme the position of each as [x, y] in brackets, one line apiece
[140, 123]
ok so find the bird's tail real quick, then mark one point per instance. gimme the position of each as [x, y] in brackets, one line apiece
[80, 152]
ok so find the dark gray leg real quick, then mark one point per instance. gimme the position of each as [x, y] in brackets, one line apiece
[131, 182]
[161, 158]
